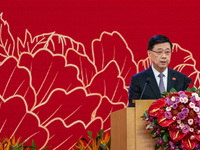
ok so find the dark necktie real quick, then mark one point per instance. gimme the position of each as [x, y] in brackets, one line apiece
[161, 84]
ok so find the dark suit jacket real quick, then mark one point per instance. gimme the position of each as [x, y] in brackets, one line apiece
[175, 80]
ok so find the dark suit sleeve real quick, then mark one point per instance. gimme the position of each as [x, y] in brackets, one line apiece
[134, 90]
[186, 84]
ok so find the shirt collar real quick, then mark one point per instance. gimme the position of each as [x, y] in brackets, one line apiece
[156, 73]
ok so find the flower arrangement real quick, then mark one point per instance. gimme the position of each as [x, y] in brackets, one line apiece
[99, 143]
[175, 120]
[13, 144]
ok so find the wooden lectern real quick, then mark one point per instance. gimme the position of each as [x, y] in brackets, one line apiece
[128, 130]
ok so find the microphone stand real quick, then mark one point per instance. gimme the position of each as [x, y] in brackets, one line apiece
[146, 82]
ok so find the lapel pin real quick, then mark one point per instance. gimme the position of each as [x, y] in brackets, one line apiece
[173, 78]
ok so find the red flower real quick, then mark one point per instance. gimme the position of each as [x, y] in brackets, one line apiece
[156, 107]
[155, 110]
[163, 121]
[189, 141]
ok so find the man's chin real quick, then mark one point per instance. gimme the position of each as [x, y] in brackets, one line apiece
[163, 65]
[162, 68]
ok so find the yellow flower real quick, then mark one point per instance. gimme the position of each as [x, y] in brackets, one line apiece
[95, 143]
[1, 146]
[107, 138]
[7, 143]
[80, 144]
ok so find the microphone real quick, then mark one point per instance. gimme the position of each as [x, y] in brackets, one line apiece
[148, 80]
[189, 80]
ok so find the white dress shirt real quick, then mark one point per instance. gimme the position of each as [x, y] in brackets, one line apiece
[156, 73]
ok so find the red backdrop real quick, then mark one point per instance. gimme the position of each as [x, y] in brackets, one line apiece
[66, 65]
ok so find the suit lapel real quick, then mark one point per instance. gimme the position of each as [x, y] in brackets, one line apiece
[171, 80]
[153, 84]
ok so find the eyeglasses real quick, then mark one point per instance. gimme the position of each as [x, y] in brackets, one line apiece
[167, 52]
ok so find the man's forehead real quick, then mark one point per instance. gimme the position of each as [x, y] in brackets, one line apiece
[165, 45]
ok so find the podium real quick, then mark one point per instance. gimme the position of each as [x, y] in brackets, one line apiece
[128, 130]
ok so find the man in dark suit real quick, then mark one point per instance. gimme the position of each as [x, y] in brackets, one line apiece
[158, 77]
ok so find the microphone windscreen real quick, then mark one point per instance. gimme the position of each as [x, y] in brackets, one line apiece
[189, 80]
[148, 80]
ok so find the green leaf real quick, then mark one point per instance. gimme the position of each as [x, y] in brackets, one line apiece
[153, 132]
[145, 115]
[90, 135]
[20, 145]
[157, 146]
[83, 139]
[167, 133]
[33, 145]
[166, 147]
[154, 136]
[172, 90]
[162, 131]
[199, 94]
[100, 134]
[165, 137]
[164, 94]
[193, 89]
[188, 89]
[155, 120]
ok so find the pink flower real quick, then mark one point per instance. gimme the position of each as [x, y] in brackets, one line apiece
[174, 118]
[185, 100]
[195, 95]
[181, 99]
[168, 101]
[186, 128]
[181, 125]
[179, 121]
[190, 121]
[192, 105]
[168, 108]
[181, 116]
[168, 114]
[193, 99]
[191, 129]
[173, 98]
[181, 92]
[175, 105]
[185, 111]
[196, 109]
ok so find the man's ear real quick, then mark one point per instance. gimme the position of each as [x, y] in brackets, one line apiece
[149, 53]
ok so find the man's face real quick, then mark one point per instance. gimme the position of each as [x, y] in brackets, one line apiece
[160, 56]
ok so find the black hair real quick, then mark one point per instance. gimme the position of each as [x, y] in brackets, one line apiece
[158, 39]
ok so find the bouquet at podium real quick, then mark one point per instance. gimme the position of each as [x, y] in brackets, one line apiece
[175, 120]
